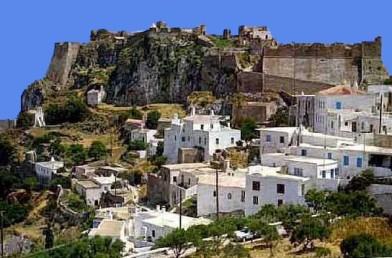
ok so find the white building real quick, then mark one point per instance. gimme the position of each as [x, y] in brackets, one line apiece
[384, 91]
[154, 224]
[95, 97]
[46, 170]
[231, 194]
[266, 185]
[105, 182]
[338, 98]
[146, 136]
[83, 171]
[90, 191]
[203, 132]
[114, 229]
[276, 139]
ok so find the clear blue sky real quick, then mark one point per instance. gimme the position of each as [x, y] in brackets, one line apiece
[29, 29]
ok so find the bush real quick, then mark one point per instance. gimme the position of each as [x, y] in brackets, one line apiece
[248, 129]
[77, 154]
[363, 245]
[136, 113]
[97, 150]
[137, 145]
[152, 119]
[7, 150]
[25, 120]
[74, 110]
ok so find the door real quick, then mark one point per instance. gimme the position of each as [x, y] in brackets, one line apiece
[354, 127]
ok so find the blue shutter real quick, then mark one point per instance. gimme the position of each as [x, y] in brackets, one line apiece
[338, 105]
[346, 160]
[359, 162]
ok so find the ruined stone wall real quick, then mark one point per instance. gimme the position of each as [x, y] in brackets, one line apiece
[278, 84]
[249, 82]
[63, 58]
[259, 112]
[330, 64]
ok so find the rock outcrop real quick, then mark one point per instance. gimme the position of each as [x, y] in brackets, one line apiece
[166, 65]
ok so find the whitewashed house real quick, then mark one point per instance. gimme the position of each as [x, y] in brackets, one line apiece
[231, 194]
[277, 139]
[90, 191]
[95, 97]
[114, 229]
[154, 224]
[46, 170]
[202, 132]
[267, 185]
[384, 91]
[340, 97]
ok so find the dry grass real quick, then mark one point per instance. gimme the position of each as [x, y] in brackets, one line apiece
[238, 159]
[166, 110]
[375, 226]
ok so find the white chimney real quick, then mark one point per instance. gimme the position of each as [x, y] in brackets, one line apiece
[163, 208]
[212, 112]
[193, 110]
[158, 208]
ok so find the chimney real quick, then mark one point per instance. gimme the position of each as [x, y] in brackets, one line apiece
[212, 112]
[193, 110]
[226, 165]
[158, 208]
[163, 208]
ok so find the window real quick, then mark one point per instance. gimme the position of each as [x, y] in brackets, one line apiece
[175, 138]
[331, 124]
[256, 186]
[183, 138]
[345, 123]
[174, 179]
[337, 172]
[205, 141]
[332, 175]
[229, 196]
[281, 139]
[242, 196]
[280, 188]
[298, 172]
[255, 200]
[323, 174]
[304, 152]
[232, 140]
[338, 105]
[280, 202]
[359, 162]
[268, 138]
[302, 193]
[217, 141]
[189, 139]
[371, 128]
[153, 233]
[202, 127]
[346, 160]
[214, 194]
[189, 181]
[199, 140]
[212, 126]
[329, 155]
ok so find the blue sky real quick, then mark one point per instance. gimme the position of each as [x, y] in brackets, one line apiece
[29, 29]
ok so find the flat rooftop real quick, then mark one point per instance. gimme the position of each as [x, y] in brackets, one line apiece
[265, 171]
[104, 180]
[278, 129]
[311, 160]
[223, 180]
[87, 184]
[185, 166]
[108, 228]
[168, 219]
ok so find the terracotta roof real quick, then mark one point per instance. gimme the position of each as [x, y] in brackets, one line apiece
[341, 90]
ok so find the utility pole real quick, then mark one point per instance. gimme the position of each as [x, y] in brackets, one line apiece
[217, 194]
[380, 123]
[2, 233]
[180, 208]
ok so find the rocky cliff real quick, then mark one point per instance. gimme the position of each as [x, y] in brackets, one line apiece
[166, 65]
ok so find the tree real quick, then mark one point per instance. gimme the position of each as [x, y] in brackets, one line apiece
[248, 129]
[271, 237]
[76, 110]
[122, 118]
[309, 230]
[388, 81]
[360, 182]
[77, 154]
[316, 199]
[363, 245]
[281, 117]
[7, 150]
[137, 145]
[178, 240]
[49, 236]
[136, 113]
[30, 183]
[152, 119]
[8, 181]
[25, 120]
[97, 150]
[235, 251]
